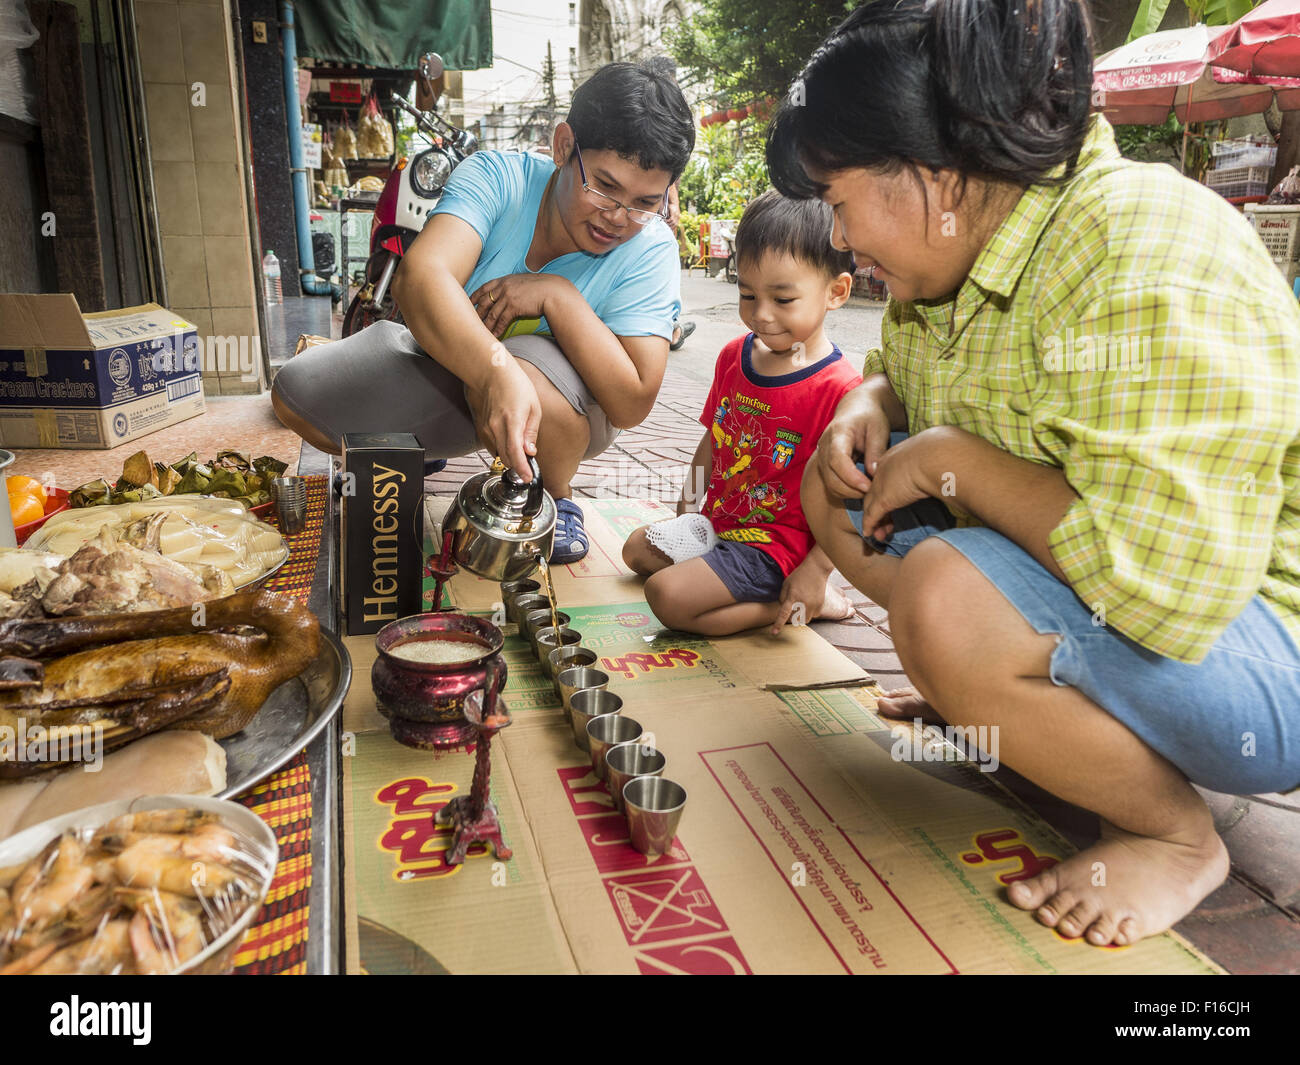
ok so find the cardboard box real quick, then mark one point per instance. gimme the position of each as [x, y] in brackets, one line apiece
[69, 380]
[380, 557]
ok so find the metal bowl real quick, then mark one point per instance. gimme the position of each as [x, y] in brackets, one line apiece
[255, 838]
[433, 692]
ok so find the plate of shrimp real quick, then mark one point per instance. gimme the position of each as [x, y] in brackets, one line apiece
[163, 884]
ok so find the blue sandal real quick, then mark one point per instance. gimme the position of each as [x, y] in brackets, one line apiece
[570, 543]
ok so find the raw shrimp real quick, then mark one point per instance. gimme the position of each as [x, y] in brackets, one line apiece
[107, 951]
[166, 932]
[76, 920]
[46, 886]
[171, 821]
[211, 843]
[144, 865]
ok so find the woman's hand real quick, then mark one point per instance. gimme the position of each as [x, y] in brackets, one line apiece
[860, 427]
[908, 471]
[504, 299]
[508, 413]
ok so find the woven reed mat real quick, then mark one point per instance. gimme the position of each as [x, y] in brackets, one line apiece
[277, 943]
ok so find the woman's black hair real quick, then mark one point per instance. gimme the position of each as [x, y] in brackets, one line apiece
[638, 111]
[800, 228]
[999, 89]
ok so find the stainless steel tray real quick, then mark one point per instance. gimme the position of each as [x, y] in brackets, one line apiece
[290, 719]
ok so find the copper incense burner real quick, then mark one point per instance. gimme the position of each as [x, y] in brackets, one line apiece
[446, 706]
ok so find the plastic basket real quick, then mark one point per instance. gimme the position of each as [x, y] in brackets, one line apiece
[1239, 180]
[1243, 152]
[1279, 228]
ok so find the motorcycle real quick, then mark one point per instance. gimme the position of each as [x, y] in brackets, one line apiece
[412, 190]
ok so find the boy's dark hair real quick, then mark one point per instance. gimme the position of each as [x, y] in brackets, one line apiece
[638, 111]
[801, 228]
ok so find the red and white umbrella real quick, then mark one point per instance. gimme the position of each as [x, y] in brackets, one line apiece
[1263, 43]
[1142, 81]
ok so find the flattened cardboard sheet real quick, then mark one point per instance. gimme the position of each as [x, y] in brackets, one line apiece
[807, 845]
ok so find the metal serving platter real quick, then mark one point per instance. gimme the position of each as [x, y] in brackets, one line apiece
[293, 715]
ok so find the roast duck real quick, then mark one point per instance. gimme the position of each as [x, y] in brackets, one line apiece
[120, 637]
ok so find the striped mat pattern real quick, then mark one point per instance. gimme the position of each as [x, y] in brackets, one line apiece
[277, 943]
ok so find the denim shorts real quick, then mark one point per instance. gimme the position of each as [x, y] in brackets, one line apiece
[1230, 723]
[750, 573]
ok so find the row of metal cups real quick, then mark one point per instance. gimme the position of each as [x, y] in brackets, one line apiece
[632, 768]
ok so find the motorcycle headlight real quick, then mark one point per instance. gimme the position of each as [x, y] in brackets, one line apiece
[430, 172]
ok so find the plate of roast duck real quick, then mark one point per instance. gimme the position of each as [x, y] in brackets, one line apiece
[185, 684]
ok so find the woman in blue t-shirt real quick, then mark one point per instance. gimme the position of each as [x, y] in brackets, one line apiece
[539, 301]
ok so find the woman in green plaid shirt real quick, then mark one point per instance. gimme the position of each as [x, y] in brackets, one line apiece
[1087, 530]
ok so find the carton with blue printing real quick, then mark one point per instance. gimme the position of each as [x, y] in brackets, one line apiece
[73, 380]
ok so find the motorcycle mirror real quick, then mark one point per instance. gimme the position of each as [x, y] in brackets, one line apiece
[429, 83]
[431, 65]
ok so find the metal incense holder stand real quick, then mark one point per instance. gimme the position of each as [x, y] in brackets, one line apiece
[474, 816]
[498, 527]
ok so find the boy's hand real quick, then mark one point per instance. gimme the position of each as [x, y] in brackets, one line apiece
[802, 595]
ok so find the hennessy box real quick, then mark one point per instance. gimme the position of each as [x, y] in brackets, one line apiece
[380, 559]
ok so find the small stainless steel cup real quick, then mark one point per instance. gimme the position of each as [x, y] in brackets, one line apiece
[535, 621]
[562, 658]
[627, 760]
[608, 731]
[517, 606]
[548, 639]
[586, 703]
[290, 495]
[654, 808]
[510, 591]
[579, 678]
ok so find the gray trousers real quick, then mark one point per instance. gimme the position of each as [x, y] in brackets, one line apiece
[381, 381]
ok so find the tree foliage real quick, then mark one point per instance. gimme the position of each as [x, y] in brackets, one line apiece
[751, 49]
[727, 170]
[1151, 13]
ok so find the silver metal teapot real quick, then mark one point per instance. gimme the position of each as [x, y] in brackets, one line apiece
[501, 527]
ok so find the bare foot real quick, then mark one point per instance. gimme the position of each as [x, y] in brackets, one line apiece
[1125, 887]
[835, 606]
[908, 703]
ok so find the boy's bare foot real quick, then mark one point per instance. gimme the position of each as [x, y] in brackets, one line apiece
[1125, 887]
[835, 606]
[907, 703]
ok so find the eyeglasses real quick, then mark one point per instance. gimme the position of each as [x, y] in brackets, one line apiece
[608, 204]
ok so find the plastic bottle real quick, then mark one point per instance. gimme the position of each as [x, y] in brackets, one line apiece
[271, 279]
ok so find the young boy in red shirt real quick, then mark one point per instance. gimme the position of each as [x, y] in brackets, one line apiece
[749, 558]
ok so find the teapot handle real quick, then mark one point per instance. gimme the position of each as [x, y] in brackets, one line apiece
[511, 478]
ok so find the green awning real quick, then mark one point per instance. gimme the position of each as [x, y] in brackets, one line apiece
[395, 33]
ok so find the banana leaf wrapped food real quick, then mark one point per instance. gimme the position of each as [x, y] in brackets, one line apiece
[230, 475]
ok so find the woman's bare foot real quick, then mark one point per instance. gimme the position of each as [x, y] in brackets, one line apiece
[907, 703]
[1125, 887]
